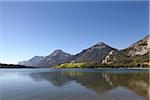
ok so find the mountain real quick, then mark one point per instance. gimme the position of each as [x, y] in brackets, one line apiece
[33, 61]
[94, 54]
[55, 58]
[138, 48]
[137, 53]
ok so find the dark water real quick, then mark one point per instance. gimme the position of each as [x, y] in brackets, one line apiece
[74, 84]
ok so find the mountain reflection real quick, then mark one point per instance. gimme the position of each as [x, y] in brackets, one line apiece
[99, 82]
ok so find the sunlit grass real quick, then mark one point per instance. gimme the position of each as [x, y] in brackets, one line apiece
[72, 65]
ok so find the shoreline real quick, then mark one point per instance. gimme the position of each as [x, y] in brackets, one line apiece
[64, 68]
[99, 68]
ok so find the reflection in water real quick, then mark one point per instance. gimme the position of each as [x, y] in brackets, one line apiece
[56, 78]
[71, 85]
[100, 82]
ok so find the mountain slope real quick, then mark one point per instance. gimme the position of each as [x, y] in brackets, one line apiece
[100, 53]
[33, 61]
[94, 54]
[137, 53]
[55, 58]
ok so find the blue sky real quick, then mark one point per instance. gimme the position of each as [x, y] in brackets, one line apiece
[37, 28]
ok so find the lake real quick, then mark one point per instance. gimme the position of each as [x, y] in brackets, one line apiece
[74, 84]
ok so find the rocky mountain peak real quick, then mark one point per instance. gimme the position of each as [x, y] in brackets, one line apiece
[141, 42]
[100, 43]
[94, 54]
[138, 48]
[134, 54]
[37, 57]
[33, 61]
[57, 51]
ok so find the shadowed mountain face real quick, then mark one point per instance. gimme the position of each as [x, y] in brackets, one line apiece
[55, 58]
[94, 54]
[99, 53]
[33, 61]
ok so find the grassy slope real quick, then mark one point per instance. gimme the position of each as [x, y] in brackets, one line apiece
[121, 61]
[95, 65]
[72, 65]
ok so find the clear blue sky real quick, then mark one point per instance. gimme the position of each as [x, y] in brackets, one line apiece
[37, 28]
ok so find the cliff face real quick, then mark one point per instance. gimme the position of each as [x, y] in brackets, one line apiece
[137, 53]
[138, 48]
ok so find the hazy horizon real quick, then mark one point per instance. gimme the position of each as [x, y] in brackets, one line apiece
[28, 29]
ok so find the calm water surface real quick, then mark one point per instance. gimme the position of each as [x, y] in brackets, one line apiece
[74, 84]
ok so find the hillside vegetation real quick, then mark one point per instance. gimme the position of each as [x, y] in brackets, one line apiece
[72, 65]
[97, 65]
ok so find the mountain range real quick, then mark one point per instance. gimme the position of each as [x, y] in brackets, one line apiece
[101, 53]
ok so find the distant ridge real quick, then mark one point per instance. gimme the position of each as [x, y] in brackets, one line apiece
[100, 53]
[55, 58]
